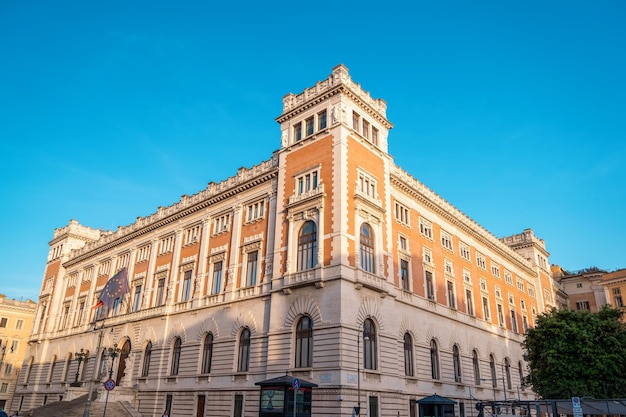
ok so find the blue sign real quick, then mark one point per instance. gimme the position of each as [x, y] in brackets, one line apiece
[296, 383]
[109, 384]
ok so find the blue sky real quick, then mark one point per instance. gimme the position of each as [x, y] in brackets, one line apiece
[512, 111]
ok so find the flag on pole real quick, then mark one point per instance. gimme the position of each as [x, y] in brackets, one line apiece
[115, 288]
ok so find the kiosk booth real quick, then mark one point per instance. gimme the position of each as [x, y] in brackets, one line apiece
[278, 394]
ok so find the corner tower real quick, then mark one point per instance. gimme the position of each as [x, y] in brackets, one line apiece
[334, 165]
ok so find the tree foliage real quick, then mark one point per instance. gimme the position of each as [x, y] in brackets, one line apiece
[577, 353]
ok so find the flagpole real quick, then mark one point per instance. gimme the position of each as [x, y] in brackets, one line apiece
[96, 366]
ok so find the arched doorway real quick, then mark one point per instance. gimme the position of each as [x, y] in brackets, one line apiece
[121, 366]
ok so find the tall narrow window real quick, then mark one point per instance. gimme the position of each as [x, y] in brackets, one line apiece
[369, 345]
[373, 406]
[430, 288]
[451, 298]
[309, 126]
[367, 248]
[137, 302]
[456, 361]
[307, 246]
[321, 120]
[297, 132]
[186, 286]
[469, 301]
[251, 271]
[408, 355]
[476, 366]
[434, 360]
[238, 408]
[147, 355]
[244, 351]
[176, 356]
[207, 353]
[404, 274]
[160, 296]
[520, 370]
[492, 368]
[216, 285]
[304, 343]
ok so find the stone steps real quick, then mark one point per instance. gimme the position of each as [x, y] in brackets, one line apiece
[76, 408]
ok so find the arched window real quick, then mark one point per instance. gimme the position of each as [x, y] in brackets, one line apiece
[147, 354]
[434, 360]
[304, 343]
[367, 248]
[244, 351]
[507, 372]
[520, 369]
[307, 246]
[408, 355]
[476, 366]
[492, 367]
[369, 345]
[207, 353]
[456, 361]
[176, 356]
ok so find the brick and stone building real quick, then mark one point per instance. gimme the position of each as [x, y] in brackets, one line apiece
[326, 261]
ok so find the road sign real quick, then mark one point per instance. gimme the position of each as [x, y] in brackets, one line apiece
[109, 384]
[577, 407]
[296, 383]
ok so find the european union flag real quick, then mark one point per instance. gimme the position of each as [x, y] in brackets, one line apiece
[115, 288]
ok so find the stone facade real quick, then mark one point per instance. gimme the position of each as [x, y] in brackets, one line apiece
[326, 261]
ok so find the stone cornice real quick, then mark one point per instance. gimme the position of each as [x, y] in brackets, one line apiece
[214, 193]
[339, 82]
[411, 186]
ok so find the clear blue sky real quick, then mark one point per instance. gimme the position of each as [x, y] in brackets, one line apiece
[512, 111]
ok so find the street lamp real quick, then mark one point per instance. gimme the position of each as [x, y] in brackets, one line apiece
[80, 356]
[357, 409]
[113, 353]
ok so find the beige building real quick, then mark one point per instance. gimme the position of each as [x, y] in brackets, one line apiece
[16, 323]
[326, 262]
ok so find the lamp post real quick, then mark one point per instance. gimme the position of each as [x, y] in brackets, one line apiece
[80, 356]
[357, 409]
[113, 353]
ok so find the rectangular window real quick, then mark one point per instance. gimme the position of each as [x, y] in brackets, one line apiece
[430, 287]
[14, 346]
[514, 321]
[403, 243]
[367, 185]
[8, 368]
[123, 261]
[520, 284]
[546, 295]
[143, 253]
[469, 301]
[137, 298]
[355, 121]
[116, 306]
[616, 291]
[486, 314]
[166, 244]
[186, 286]
[306, 183]
[221, 223]
[497, 291]
[427, 256]
[446, 240]
[531, 290]
[4, 387]
[216, 285]
[79, 313]
[374, 136]
[525, 323]
[582, 305]
[448, 267]
[321, 120]
[426, 228]
[508, 277]
[451, 298]
[464, 251]
[160, 295]
[366, 129]
[297, 132]
[500, 314]
[481, 261]
[373, 406]
[238, 409]
[404, 274]
[256, 210]
[467, 278]
[19, 325]
[495, 269]
[251, 271]
[402, 214]
[483, 284]
[618, 301]
[310, 126]
[191, 235]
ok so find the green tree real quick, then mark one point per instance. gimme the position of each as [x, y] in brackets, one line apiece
[577, 353]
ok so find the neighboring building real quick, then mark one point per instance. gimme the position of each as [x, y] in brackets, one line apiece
[615, 288]
[327, 262]
[16, 323]
[585, 288]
